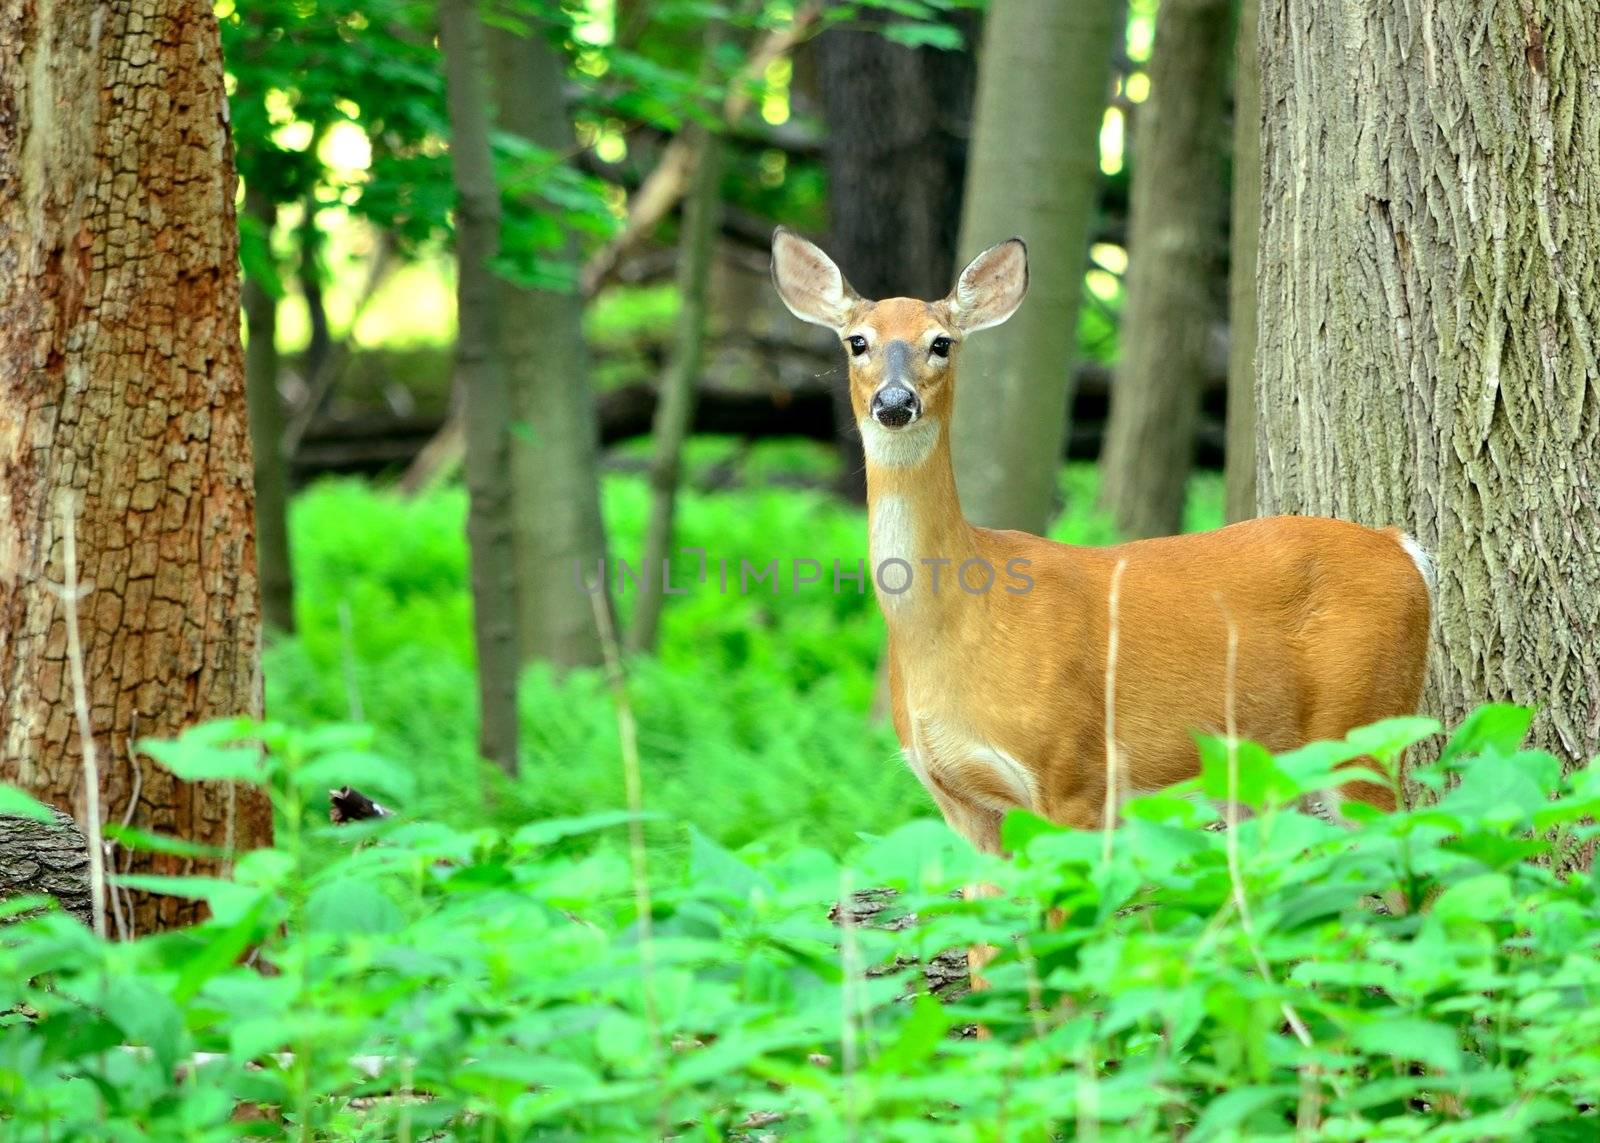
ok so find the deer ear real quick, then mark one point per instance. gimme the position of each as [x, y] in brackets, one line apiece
[808, 281]
[991, 287]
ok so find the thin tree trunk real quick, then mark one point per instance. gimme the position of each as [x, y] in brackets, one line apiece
[1245, 231]
[1043, 78]
[1175, 230]
[123, 386]
[480, 365]
[320, 344]
[675, 411]
[555, 447]
[1430, 294]
[266, 436]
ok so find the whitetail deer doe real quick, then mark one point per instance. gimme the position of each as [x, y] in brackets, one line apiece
[998, 694]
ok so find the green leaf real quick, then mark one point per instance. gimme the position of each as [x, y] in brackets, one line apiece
[1482, 898]
[920, 1037]
[1410, 1038]
[14, 803]
[1388, 739]
[1259, 778]
[147, 1014]
[712, 867]
[134, 838]
[941, 36]
[1019, 827]
[352, 905]
[195, 761]
[1493, 783]
[1497, 725]
[372, 774]
[537, 835]
[1234, 1107]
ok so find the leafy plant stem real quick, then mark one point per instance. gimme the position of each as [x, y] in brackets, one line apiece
[633, 781]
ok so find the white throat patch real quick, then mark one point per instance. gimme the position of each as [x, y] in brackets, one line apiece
[898, 448]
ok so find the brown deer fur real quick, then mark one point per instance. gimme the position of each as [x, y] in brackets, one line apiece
[998, 695]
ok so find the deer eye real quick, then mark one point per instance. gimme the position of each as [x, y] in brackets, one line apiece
[940, 347]
[857, 344]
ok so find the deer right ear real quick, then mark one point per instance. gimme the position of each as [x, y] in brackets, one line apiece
[808, 281]
[991, 287]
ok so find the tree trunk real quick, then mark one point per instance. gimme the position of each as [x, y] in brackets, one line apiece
[1430, 292]
[266, 435]
[1245, 232]
[896, 149]
[124, 386]
[1175, 230]
[480, 365]
[1043, 77]
[675, 411]
[555, 447]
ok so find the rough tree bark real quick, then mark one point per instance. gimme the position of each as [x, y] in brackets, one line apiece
[1430, 294]
[674, 414]
[896, 149]
[266, 435]
[555, 449]
[480, 358]
[1043, 77]
[1175, 229]
[122, 382]
[1245, 240]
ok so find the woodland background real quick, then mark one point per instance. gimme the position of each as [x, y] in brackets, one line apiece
[334, 335]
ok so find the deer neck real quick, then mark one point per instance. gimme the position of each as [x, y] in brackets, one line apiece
[917, 535]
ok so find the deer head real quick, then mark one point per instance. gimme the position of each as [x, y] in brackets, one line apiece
[902, 352]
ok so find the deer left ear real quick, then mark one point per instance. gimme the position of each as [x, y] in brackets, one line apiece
[808, 281]
[991, 287]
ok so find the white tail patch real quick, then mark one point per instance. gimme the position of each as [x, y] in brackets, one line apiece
[1421, 558]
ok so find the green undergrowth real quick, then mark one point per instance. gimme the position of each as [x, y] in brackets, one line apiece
[414, 979]
[754, 719]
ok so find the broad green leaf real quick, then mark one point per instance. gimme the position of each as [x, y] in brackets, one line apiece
[1234, 1108]
[134, 838]
[1409, 1038]
[193, 760]
[1019, 827]
[374, 775]
[1259, 779]
[352, 905]
[14, 803]
[538, 835]
[146, 1014]
[1388, 739]
[919, 1038]
[1482, 898]
[1497, 725]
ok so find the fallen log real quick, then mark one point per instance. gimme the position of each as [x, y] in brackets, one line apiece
[427, 446]
[45, 858]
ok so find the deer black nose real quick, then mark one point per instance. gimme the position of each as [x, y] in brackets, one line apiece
[895, 406]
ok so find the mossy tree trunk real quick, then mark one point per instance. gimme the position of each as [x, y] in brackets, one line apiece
[1176, 222]
[480, 364]
[1245, 232]
[1044, 73]
[122, 392]
[555, 447]
[1430, 295]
